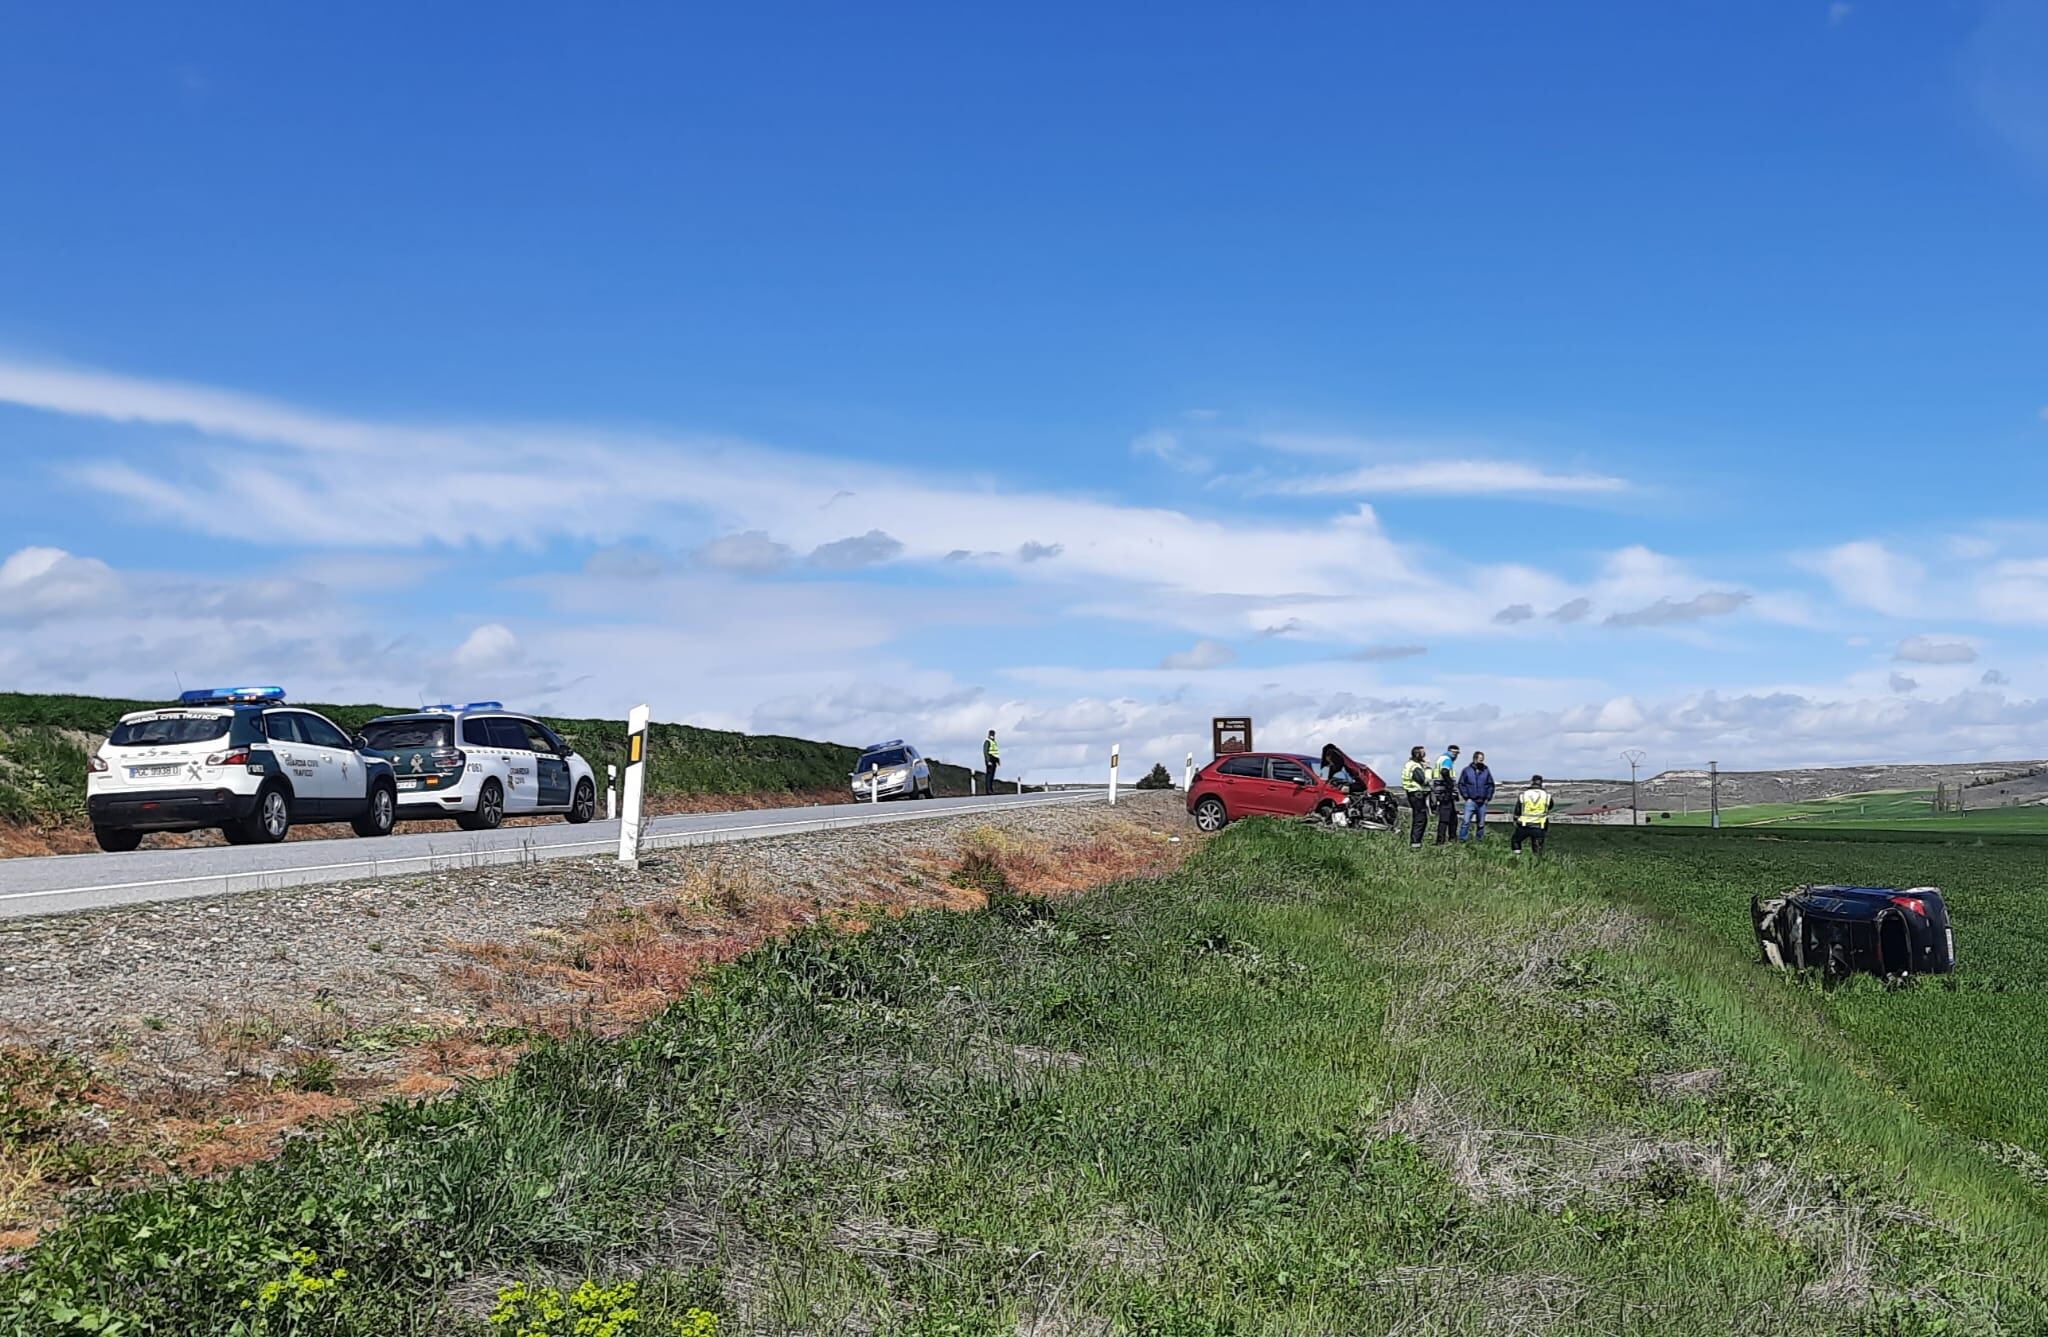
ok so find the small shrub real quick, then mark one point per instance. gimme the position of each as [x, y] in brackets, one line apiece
[312, 1072]
[590, 1310]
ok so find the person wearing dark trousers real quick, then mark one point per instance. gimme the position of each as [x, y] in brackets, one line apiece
[1415, 784]
[1532, 817]
[1443, 791]
[1475, 786]
[991, 755]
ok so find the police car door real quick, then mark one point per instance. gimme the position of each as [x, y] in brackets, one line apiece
[550, 766]
[304, 763]
[345, 784]
[508, 736]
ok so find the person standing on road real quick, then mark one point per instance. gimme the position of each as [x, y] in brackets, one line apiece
[1415, 784]
[1443, 791]
[1532, 816]
[1475, 786]
[991, 755]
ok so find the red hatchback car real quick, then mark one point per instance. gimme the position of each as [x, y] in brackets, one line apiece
[1259, 784]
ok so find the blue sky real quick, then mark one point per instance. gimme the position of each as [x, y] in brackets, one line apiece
[1559, 378]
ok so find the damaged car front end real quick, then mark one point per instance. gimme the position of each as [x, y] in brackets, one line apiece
[1368, 801]
[1842, 930]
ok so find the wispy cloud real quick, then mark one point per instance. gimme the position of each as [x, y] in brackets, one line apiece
[1204, 654]
[1714, 603]
[1449, 478]
[1929, 650]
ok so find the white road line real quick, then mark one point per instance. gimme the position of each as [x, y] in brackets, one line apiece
[536, 853]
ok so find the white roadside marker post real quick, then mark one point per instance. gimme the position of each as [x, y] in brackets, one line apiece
[636, 786]
[973, 784]
[874, 784]
[1114, 750]
[1187, 777]
[611, 792]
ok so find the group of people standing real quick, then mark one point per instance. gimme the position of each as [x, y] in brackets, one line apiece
[1460, 798]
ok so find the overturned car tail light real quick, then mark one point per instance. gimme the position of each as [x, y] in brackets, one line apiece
[1914, 903]
[1842, 929]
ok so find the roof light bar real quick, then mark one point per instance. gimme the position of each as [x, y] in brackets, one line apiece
[473, 705]
[222, 696]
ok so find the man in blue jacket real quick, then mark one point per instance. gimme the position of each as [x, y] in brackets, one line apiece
[1475, 786]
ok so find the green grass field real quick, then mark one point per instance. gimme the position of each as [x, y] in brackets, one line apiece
[1312, 1083]
[42, 762]
[1875, 811]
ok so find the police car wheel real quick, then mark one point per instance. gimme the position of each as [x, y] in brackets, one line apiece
[585, 806]
[115, 840]
[490, 809]
[270, 822]
[381, 815]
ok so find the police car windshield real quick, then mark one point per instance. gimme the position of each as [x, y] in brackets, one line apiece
[391, 735]
[169, 731]
[886, 758]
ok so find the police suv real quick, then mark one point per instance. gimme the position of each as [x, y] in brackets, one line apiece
[236, 758]
[479, 764]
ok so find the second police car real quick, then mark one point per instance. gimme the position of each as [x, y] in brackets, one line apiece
[479, 764]
[238, 759]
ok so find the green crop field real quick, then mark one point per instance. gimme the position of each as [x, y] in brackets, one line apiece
[1314, 1082]
[43, 754]
[1875, 811]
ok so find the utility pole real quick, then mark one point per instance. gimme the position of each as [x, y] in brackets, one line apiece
[1714, 794]
[1634, 757]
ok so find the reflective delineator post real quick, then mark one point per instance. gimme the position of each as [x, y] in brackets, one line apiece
[1114, 750]
[874, 784]
[1187, 777]
[973, 784]
[611, 792]
[636, 786]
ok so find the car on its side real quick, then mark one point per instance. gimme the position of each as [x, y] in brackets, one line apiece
[1261, 784]
[1840, 929]
[481, 763]
[893, 769]
[238, 759]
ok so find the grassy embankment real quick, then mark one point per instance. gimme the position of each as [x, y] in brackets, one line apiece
[43, 745]
[1313, 1082]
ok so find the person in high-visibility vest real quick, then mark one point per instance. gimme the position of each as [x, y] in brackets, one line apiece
[1415, 784]
[990, 755]
[1532, 817]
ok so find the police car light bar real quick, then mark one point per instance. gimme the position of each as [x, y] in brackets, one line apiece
[877, 747]
[474, 705]
[221, 696]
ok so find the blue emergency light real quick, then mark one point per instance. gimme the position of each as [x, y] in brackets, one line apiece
[474, 705]
[227, 696]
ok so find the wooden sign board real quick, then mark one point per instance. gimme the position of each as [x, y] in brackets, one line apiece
[1233, 733]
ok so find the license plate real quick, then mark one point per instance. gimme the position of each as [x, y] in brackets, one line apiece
[153, 772]
[408, 784]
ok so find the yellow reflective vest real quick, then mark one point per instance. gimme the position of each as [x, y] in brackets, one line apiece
[1534, 808]
[1415, 777]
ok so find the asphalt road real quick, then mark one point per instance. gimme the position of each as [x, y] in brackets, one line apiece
[62, 884]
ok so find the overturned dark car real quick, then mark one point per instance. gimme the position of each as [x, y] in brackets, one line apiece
[1839, 930]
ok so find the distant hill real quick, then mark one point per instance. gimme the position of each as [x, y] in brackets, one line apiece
[1986, 784]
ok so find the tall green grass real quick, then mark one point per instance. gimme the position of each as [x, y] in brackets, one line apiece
[1313, 1083]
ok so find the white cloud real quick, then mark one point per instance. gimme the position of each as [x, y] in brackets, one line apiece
[36, 582]
[1451, 478]
[752, 552]
[1379, 654]
[487, 645]
[1928, 650]
[860, 550]
[1572, 610]
[1901, 683]
[1203, 654]
[1514, 613]
[1870, 575]
[1034, 551]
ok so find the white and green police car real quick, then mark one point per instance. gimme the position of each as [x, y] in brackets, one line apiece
[481, 763]
[235, 758]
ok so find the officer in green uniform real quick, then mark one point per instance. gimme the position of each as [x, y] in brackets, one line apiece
[990, 755]
[1415, 784]
[1532, 817]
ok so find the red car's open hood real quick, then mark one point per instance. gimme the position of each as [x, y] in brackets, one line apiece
[1335, 760]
